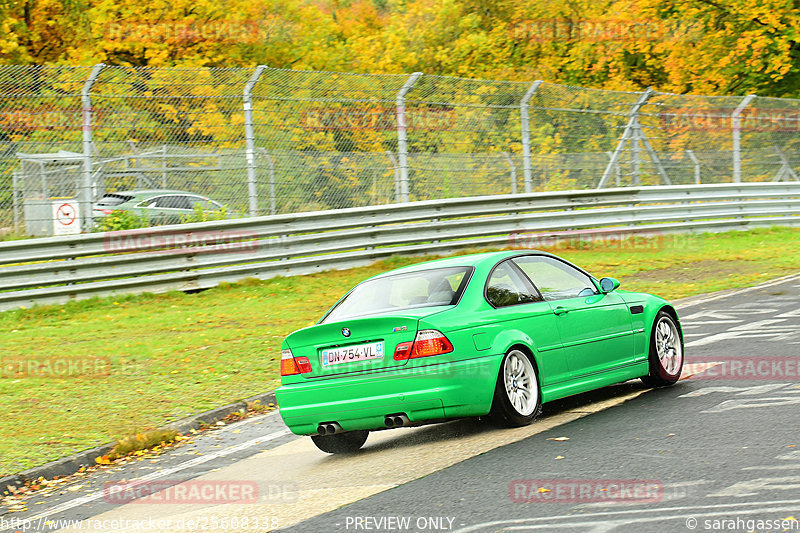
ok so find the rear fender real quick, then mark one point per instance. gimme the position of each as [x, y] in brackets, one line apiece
[509, 338]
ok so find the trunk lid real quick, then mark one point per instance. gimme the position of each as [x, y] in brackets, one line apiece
[357, 344]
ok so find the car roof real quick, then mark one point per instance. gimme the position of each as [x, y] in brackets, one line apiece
[471, 260]
[143, 192]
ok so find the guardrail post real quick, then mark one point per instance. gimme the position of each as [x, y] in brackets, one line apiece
[630, 127]
[513, 169]
[526, 135]
[250, 149]
[402, 145]
[85, 196]
[736, 125]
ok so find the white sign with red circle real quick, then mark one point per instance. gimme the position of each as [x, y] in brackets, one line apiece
[65, 217]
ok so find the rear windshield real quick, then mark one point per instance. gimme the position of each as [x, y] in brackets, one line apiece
[113, 199]
[424, 288]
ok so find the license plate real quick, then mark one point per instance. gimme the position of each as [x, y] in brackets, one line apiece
[352, 354]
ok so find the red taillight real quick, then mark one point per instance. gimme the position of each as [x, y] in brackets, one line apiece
[303, 364]
[428, 342]
[291, 365]
[403, 351]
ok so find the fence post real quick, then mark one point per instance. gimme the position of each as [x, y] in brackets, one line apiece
[85, 196]
[736, 125]
[271, 165]
[786, 170]
[249, 137]
[633, 123]
[402, 146]
[616, 169]
[396, 176]
[636, 157]
[15, 200]
[513, 169]
[526, 135]
[693, 157]
[164, 166]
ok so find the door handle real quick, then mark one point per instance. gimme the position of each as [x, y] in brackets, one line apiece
[560, 311]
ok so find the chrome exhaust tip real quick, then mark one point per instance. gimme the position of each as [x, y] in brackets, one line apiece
[329, 428]
[396, 420]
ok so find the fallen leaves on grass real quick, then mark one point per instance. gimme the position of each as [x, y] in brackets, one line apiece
[131, 444]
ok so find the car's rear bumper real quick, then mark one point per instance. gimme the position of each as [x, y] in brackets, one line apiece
[434, 391]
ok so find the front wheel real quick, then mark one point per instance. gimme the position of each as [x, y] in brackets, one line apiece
[516, 396]
[666, 352]
[346, 442]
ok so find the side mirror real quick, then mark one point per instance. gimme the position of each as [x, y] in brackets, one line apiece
[608, 285]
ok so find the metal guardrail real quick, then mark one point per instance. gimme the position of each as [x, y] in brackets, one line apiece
[202, 255]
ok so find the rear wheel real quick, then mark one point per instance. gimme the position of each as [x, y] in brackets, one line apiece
[346, 442]
[516, 395]
[666, 352]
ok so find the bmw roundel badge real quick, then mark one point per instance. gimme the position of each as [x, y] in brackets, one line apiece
[346, 332]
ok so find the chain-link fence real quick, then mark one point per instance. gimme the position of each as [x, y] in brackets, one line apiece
[165, 141]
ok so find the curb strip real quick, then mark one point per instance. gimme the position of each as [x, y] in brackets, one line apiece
[69, 465]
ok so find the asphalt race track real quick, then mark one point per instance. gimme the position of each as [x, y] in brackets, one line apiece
[719, 451]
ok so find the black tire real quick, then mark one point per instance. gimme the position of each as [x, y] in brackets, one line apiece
[504, 411]
[346, 442]
[666, 355]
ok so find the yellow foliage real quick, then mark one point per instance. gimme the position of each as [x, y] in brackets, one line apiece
[733, 47]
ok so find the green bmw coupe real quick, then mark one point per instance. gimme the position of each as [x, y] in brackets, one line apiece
[493, 334]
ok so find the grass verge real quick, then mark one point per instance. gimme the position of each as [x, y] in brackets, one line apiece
[138, 362]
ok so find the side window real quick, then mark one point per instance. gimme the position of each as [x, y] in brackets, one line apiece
[205, 204]
[554, 279]
[174, 202]
[507, 287]
[155, 201]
